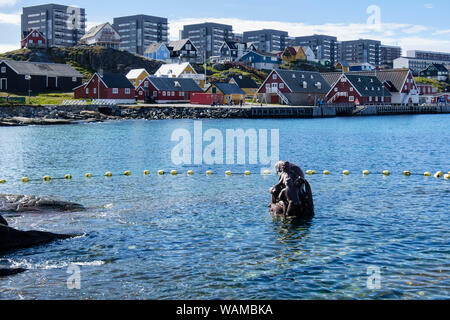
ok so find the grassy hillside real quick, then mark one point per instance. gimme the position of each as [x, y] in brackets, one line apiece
[85, 59]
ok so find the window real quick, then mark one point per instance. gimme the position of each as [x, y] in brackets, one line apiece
[305, 84]
[376, 99]
[370, 99]
[39, 41]
[95, 90]
[127, 91]
[87, 90]
[336, 89]
[3, 69]
[164, 93]
[146, 84]
[267, 85]
[115, 91]
[274, 76]
[173, 93]
[140, 93]
[74, 79]
[281, 85]
[351, 98]
[351, 89]
[181, 94]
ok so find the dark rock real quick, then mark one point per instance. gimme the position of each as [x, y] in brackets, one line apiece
[11, 272]
[3, 221]
[12, 239]
[23, 203]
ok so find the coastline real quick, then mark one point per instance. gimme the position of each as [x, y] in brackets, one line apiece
[70, 114]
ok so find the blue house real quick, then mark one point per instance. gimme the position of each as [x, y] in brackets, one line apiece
[259, 60]
[157, 51]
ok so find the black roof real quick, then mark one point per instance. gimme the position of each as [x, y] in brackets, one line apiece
[245, 82]
[368, 85]
[228, 88]
[295, 81]
[116, 80]
[175, 84]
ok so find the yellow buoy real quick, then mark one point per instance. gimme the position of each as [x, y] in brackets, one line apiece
[386, 173]
[209, 173]
[345, 172]
[326, 172]
[190, 172]
[25, 179]
[247, 173]
[309, 172]
[161, 172]
[407, 173]
[174, 172]
[267, 172]
[438, 174]
[108, 174]
[68, 176]
[127, 173]
[46, 178]
[146, 172]
[446, 177]
[366, 172]
[228, 173]
[427, 174]
[2, 181]
[88, 175]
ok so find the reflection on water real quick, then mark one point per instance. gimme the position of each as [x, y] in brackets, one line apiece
[199, 237]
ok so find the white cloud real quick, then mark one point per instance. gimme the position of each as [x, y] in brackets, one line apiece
[10, 18]
[4, 3]
[439, 32]
[8, 47]
[428, 5]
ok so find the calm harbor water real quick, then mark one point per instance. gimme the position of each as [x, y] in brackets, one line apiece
[199, 237]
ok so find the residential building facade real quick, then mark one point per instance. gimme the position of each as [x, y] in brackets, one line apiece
[416, 65]
[360, 51]
[261, 61]
[34, 39]
[429, 55]
[207, 37]
[62, 26]
[267, 40]
[139, 31]
[389, 54]
[435, 71]
[103, 35]
[167, 90]
[324, 47]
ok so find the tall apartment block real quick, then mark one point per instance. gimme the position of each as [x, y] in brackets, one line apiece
[324, 47]
[208, 37]
[389, 54]
[63, 26]
[139, 31]
[267, 40]
[361, 51]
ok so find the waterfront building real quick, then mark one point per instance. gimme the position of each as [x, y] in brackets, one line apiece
[293, 88]
[139, 31]
[267, 40]
[103, 35]
[324, 47]
[21, 76]
[231, 92]
[34, 39]
[435, 71]
[358, 89]
[107, 86]
[62, 26]
[180, 70]
[157, 51]
[167, 90]
[389, 54]
[246, 84]
[207, 37]
[361, 51]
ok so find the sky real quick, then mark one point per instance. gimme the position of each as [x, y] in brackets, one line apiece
[411, 24]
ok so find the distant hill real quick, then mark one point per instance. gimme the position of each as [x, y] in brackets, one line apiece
[86, 60]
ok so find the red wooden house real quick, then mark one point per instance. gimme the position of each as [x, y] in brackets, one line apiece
[167, 90]
[107, 86]
[34, 39]
[359, 89]
[293, 88]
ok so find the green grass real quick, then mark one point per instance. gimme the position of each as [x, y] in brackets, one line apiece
[54, 98]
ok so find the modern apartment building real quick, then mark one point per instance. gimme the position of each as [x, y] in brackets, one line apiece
[389, 54]
[267, 40]
[62, 26]
[324, 47]
[361, 51]
[207, 37]
[139, 31]
[429, 55]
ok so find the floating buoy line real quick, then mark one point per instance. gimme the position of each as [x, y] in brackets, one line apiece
[325, 173]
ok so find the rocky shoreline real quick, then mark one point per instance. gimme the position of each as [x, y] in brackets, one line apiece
[60, 115]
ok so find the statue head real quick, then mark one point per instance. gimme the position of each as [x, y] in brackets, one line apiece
[282, 166]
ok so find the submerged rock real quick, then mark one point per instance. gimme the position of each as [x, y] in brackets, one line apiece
[12, 239]
[23, 203]
[11, 272]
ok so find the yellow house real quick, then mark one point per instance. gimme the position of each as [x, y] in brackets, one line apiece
[293, 54]
[230, 91]
[180, 70]
[246, 84]
[342, 66]
[136, 76]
